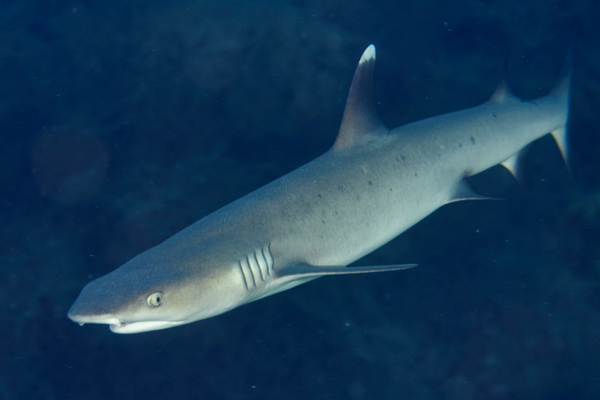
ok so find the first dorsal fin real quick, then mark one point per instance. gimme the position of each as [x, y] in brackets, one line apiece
[360, 116]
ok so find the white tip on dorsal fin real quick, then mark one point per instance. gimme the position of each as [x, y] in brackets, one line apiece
[368, 55]
[360, 116]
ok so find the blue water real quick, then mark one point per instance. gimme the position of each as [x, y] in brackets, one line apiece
[124, 122]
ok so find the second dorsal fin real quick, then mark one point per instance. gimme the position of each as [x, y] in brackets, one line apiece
[503, 92]
[360, 116]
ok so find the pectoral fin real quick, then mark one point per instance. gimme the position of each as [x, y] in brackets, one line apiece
[299, 270]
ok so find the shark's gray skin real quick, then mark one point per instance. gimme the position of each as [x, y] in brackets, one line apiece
[372, 185]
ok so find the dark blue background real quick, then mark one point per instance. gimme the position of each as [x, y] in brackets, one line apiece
[122, 122]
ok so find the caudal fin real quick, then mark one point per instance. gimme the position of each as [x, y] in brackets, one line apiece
[562, 92]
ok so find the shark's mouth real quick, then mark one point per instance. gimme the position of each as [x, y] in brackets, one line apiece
[142, 326]
[119, 326]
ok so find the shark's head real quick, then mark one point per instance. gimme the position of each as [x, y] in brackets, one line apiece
[166, 286]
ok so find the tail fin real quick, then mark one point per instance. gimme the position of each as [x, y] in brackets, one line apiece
[562, 91]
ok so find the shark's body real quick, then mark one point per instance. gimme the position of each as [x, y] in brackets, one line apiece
[371, 186]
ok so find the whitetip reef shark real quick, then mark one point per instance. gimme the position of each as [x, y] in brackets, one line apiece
[372, 185]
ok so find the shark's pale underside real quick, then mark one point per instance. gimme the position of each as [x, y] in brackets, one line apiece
[372, 185]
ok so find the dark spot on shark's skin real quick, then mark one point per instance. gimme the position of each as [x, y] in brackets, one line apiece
[460, 145]
[415, 174]
[319, 195]
[495, 116]
[472, 140]
[370, 183]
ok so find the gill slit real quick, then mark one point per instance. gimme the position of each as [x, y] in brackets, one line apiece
[257, 268]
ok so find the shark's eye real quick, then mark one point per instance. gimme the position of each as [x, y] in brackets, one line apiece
[155, 299]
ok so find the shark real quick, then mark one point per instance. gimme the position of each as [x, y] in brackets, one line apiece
[372, 185]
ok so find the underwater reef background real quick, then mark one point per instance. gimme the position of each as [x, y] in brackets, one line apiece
[122, 122]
